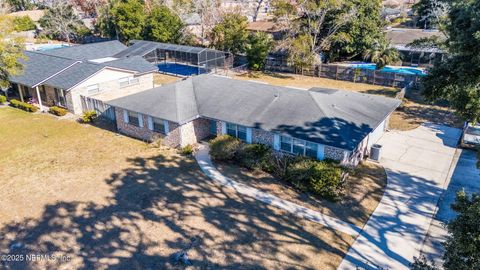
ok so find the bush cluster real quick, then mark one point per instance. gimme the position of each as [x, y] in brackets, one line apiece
[23, 105]
[187, 150]
[58, 111]
[3, 99]
[318, 177]
[322, 178]
[89, 116]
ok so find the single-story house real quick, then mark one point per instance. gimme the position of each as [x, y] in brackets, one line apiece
[321, 123]
[62, 76]
[400, 38]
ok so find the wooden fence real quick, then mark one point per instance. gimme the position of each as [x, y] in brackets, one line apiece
[346, 73]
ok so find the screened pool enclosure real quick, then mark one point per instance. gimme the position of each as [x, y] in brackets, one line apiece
[179, 59]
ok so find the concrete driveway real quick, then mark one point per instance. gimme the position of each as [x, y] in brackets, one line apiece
[418, 164]
[465, 176]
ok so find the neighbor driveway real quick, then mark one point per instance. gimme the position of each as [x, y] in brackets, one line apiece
[418, 164]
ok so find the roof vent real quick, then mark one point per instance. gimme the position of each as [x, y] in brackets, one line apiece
[277, 94]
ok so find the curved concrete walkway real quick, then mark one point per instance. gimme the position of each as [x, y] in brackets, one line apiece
[203, 158]
[418, 165]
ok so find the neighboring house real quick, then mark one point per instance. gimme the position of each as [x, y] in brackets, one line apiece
[321, 123]
[276, 31]
[400, 37]
[62, 76]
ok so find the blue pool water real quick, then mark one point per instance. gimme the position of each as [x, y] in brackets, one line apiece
[401, 70]
[180, 69]
[51, 47]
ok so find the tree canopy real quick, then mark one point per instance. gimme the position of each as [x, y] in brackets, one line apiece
[128, 18]
[163, 25]
[231, 33]
[11, 49]
[258, 47]
[431, 13]
[457, 79]
[60, 21]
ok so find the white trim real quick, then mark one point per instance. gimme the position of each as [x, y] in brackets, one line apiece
[125, 116]
[167, 128]
[276, 142]
[320, 151]
[140, 120]
[150, 122]
[224, 128]
[249, 135]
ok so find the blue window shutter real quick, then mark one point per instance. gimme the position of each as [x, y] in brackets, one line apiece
[165, 125]
[125, 116]
[249, 135]
[276, 142]
[140, 120]
[150, 122]
[321, 152]
[224, 127]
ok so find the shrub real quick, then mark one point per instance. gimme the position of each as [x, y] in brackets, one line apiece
[57, 111]
[23, 23]
[89, 116]
[224, 147]
[3, 99]
[254, 156]
[322, 178]
[23, 106]
[187, 150]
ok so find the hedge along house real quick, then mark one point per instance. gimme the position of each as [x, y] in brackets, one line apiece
[321, 123]
[61, 76]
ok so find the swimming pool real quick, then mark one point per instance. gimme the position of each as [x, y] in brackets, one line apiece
[48, 47]
[180, 69]
[393, 69]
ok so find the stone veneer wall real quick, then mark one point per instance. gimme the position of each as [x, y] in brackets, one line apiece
[173, 138]
[262, 137]
[194, 131]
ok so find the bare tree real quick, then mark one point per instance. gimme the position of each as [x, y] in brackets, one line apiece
[61, 20]
[209, 13]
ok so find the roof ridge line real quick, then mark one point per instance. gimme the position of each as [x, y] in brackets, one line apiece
[316, 104]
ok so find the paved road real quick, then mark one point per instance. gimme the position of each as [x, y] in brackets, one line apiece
[465, 176]
[418, 163]
[203, 159]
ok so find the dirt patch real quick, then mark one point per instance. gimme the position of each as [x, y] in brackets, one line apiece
[106, 201]
[293, 80]
[160, 79]
[363, 191]
[415, 111]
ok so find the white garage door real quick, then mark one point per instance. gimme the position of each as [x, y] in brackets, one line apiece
[376, 134]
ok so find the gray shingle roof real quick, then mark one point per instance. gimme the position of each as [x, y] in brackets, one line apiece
[331, 117]
[135, 63]
[89, 51]
[38, 67]
[74, 75]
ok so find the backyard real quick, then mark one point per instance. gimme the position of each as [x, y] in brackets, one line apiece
[101, 200]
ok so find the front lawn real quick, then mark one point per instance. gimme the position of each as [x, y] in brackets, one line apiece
[107, 201]
[362, 192]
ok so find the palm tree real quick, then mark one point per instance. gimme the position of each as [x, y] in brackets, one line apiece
[382, 54]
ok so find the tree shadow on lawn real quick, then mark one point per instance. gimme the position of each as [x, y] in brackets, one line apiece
[164, 205]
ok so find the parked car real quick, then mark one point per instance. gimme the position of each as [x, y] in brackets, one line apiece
[470, 136]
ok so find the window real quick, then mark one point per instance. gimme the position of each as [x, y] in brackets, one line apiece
[158, 125]
[127, 81]
[311, 149]
[286, 143]
[133, 119]
[237, 131]
[93, 89]
[298, 147]
[60, 97]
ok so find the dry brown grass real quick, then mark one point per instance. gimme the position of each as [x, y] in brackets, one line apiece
[414, 111]
[109, 201]
[160, 79]
[293, 80]
[363, 191]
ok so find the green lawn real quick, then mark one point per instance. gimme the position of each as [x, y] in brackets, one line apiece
[108, 201]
